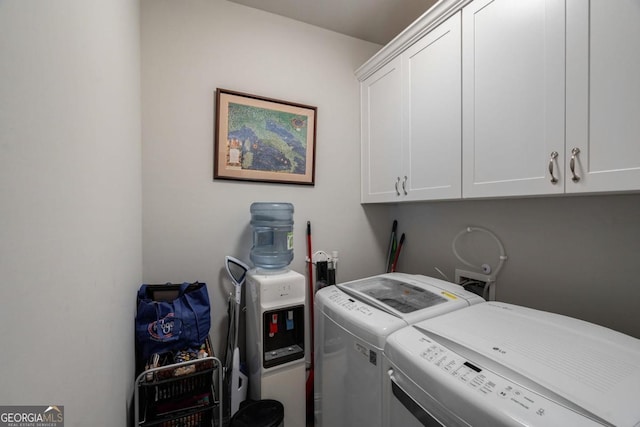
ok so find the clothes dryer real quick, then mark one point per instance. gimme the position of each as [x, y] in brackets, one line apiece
[352, 322]
[497, 365]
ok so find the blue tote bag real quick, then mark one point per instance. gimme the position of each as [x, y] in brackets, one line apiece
[171, 318]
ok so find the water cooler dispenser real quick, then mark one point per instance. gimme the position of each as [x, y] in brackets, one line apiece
[275, 314]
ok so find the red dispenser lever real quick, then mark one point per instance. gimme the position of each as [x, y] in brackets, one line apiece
[273, 326]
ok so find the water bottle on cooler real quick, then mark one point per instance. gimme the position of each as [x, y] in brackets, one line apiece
[272, 225]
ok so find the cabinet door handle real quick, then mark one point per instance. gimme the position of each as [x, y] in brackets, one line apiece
[554, 156]
[572, 164]
[397, 190]
[404, 185]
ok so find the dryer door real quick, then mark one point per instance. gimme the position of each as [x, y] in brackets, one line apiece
[407, 412]
[410, 406]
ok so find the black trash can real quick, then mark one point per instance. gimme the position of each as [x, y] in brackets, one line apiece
[260, 413]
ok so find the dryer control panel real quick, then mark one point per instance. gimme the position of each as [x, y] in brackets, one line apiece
[477, 388]
[485, 382]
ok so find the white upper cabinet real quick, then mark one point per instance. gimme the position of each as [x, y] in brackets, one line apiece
[513, 97]
[603, 95]
[433, 113]
[411, 121]
[381, 149]
[504, 98]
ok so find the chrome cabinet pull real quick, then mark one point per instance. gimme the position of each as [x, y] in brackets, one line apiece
[404, 185]
[572, 164]
[397, 190]
[554, 156]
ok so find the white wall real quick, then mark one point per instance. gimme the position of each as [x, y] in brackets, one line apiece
[70, 205]
[192, 47]
[575, 255]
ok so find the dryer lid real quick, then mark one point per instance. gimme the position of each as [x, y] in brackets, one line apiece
[591, 366]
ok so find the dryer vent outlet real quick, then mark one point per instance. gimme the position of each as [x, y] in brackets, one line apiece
[473, 282]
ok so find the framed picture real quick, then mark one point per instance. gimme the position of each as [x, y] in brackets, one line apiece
[262, 139]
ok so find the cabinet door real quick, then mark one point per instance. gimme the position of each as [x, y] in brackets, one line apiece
[603, 95]
[432, 120]
[381, 113]
[513, 97]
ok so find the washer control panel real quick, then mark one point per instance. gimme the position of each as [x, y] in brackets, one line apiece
[348, 303]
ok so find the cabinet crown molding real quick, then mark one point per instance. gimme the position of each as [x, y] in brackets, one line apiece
[433, 17]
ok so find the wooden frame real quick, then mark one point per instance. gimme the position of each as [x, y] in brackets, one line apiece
[263, 139]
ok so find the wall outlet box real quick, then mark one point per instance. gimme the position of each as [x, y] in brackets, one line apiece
[464, 275]
[480, 279]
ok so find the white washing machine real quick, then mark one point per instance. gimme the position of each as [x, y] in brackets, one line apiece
[352, 322]
[497, 364]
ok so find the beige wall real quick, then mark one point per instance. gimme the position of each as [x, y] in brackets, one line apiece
[70, 210]
[190, 48]
[577, 255]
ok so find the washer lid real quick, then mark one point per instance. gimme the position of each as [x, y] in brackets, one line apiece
[392, 295]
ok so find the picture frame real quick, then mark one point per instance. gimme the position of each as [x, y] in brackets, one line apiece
[263, 139]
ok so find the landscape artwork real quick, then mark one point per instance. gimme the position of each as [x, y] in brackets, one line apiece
[262, 139]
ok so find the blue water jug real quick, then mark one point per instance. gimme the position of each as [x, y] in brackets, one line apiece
[272, 225]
